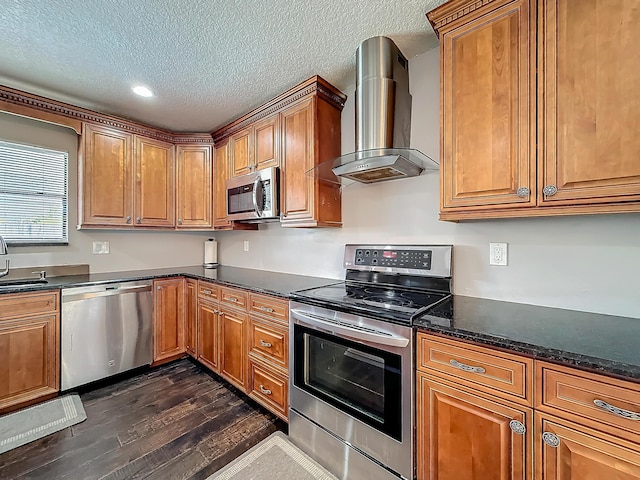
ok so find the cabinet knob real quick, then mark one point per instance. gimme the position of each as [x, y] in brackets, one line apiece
[466, 368]
[128, 219]
[620, 412]
[179, 221]
[233, 299]
[266, 309]
[517, 427]
[550, 190]
[550, 439]
[523, 192]
[266, 391]
[221, 314]
[265, 344]
[158, 288]
[138, 220]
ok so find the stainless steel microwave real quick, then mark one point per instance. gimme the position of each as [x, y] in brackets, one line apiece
[254, 196]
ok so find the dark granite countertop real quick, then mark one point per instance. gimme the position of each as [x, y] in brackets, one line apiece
[602, 343]
[272, 283]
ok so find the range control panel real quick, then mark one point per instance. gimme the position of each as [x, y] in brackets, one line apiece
[413, 259]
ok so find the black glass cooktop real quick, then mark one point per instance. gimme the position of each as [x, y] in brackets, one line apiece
[399, 303]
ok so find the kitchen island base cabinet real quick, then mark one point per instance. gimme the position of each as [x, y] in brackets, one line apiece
[169, 319]
[462, 435]
[29, 349]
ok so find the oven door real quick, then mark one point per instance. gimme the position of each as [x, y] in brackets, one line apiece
[352, 377]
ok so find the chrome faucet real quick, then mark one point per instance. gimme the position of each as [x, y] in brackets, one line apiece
[3, 251]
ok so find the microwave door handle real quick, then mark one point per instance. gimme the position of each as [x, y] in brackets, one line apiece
[256, 183]
[332, 327]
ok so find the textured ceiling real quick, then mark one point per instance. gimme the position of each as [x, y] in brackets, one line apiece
[207, 61]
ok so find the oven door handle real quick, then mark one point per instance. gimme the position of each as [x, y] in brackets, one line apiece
[327, 325]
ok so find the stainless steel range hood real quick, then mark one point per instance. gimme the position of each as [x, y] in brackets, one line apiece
[383, 118]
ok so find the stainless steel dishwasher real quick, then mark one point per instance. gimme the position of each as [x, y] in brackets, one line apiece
[106, 329]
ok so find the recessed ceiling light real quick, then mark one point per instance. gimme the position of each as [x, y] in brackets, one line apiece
[142, 91]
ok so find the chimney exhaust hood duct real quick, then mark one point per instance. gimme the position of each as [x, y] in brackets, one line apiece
[383, 118]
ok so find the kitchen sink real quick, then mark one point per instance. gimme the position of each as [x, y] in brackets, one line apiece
[22, 282]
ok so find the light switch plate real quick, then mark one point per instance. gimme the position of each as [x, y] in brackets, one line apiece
[498, 254]
[100, 248]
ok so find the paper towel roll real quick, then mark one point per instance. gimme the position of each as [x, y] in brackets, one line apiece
[210, 253]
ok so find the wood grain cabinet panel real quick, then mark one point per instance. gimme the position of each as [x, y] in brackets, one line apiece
[241, 151]
[462, 435]
[591, 117]
[221, 174]
[269, 342]
[487, 110]
[208, 335]
[169, 319]
[233, 346]
[234, 297]
[269, 389]
[573, 452]
[29, 348]
[107, 177]
[154, 183]
[191, 316]
[194, 187]
[267, 142]
[276, 309]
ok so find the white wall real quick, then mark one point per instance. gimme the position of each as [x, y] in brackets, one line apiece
[129, 250]
[586, 263]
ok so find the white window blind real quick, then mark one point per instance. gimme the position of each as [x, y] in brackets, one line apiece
[33, 194]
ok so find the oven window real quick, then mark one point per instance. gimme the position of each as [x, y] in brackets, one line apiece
[362, 381]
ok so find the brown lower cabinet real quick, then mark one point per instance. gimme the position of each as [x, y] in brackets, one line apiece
[233, 346]
[190, 319]
[208, 336]
[29, 348]
[581, 426]
[169, 316]
[463, 435]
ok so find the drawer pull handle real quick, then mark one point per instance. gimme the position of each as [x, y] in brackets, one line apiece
[266, 309]
[266, 391]
[517, 427]
[233, 299]
[265, 344]
[207, 292]
[466, 368]
[620, 412]
[550, 439]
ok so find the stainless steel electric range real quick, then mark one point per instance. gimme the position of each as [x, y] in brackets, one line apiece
[351, 387]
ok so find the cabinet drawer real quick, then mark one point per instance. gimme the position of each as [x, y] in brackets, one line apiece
[207, 290]
[233, 297]
[28, 304]
[487, 370]
[600, 402]
[269, 341]
[273, 307]
[268, 388]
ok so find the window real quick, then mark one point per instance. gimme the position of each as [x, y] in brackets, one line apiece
[33, 195]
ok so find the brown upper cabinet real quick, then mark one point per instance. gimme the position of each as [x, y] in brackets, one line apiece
[256, 147]
[496, 106]
[194, 187]
[297, 131]
[154, 183]
[221, 174]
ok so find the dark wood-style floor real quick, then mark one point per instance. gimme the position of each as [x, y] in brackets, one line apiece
[173, 422]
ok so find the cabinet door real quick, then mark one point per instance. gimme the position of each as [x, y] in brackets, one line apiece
[241, 151]
[233, 346]
[107, 183]
[221, 174]
[487, 108]
[297, 196]
[208, 338]
[463, 435]
[194, 186]
[191, 316]
[267, 148]
[29, 359]
[571, 452]
[154, 186]
[590, 79]
[168, 318]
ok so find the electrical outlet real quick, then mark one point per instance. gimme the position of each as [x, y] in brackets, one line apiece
[100, 248]
[498, 254]
[246, 245]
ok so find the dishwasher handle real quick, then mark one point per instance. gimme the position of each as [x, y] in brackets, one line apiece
[109, 291]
